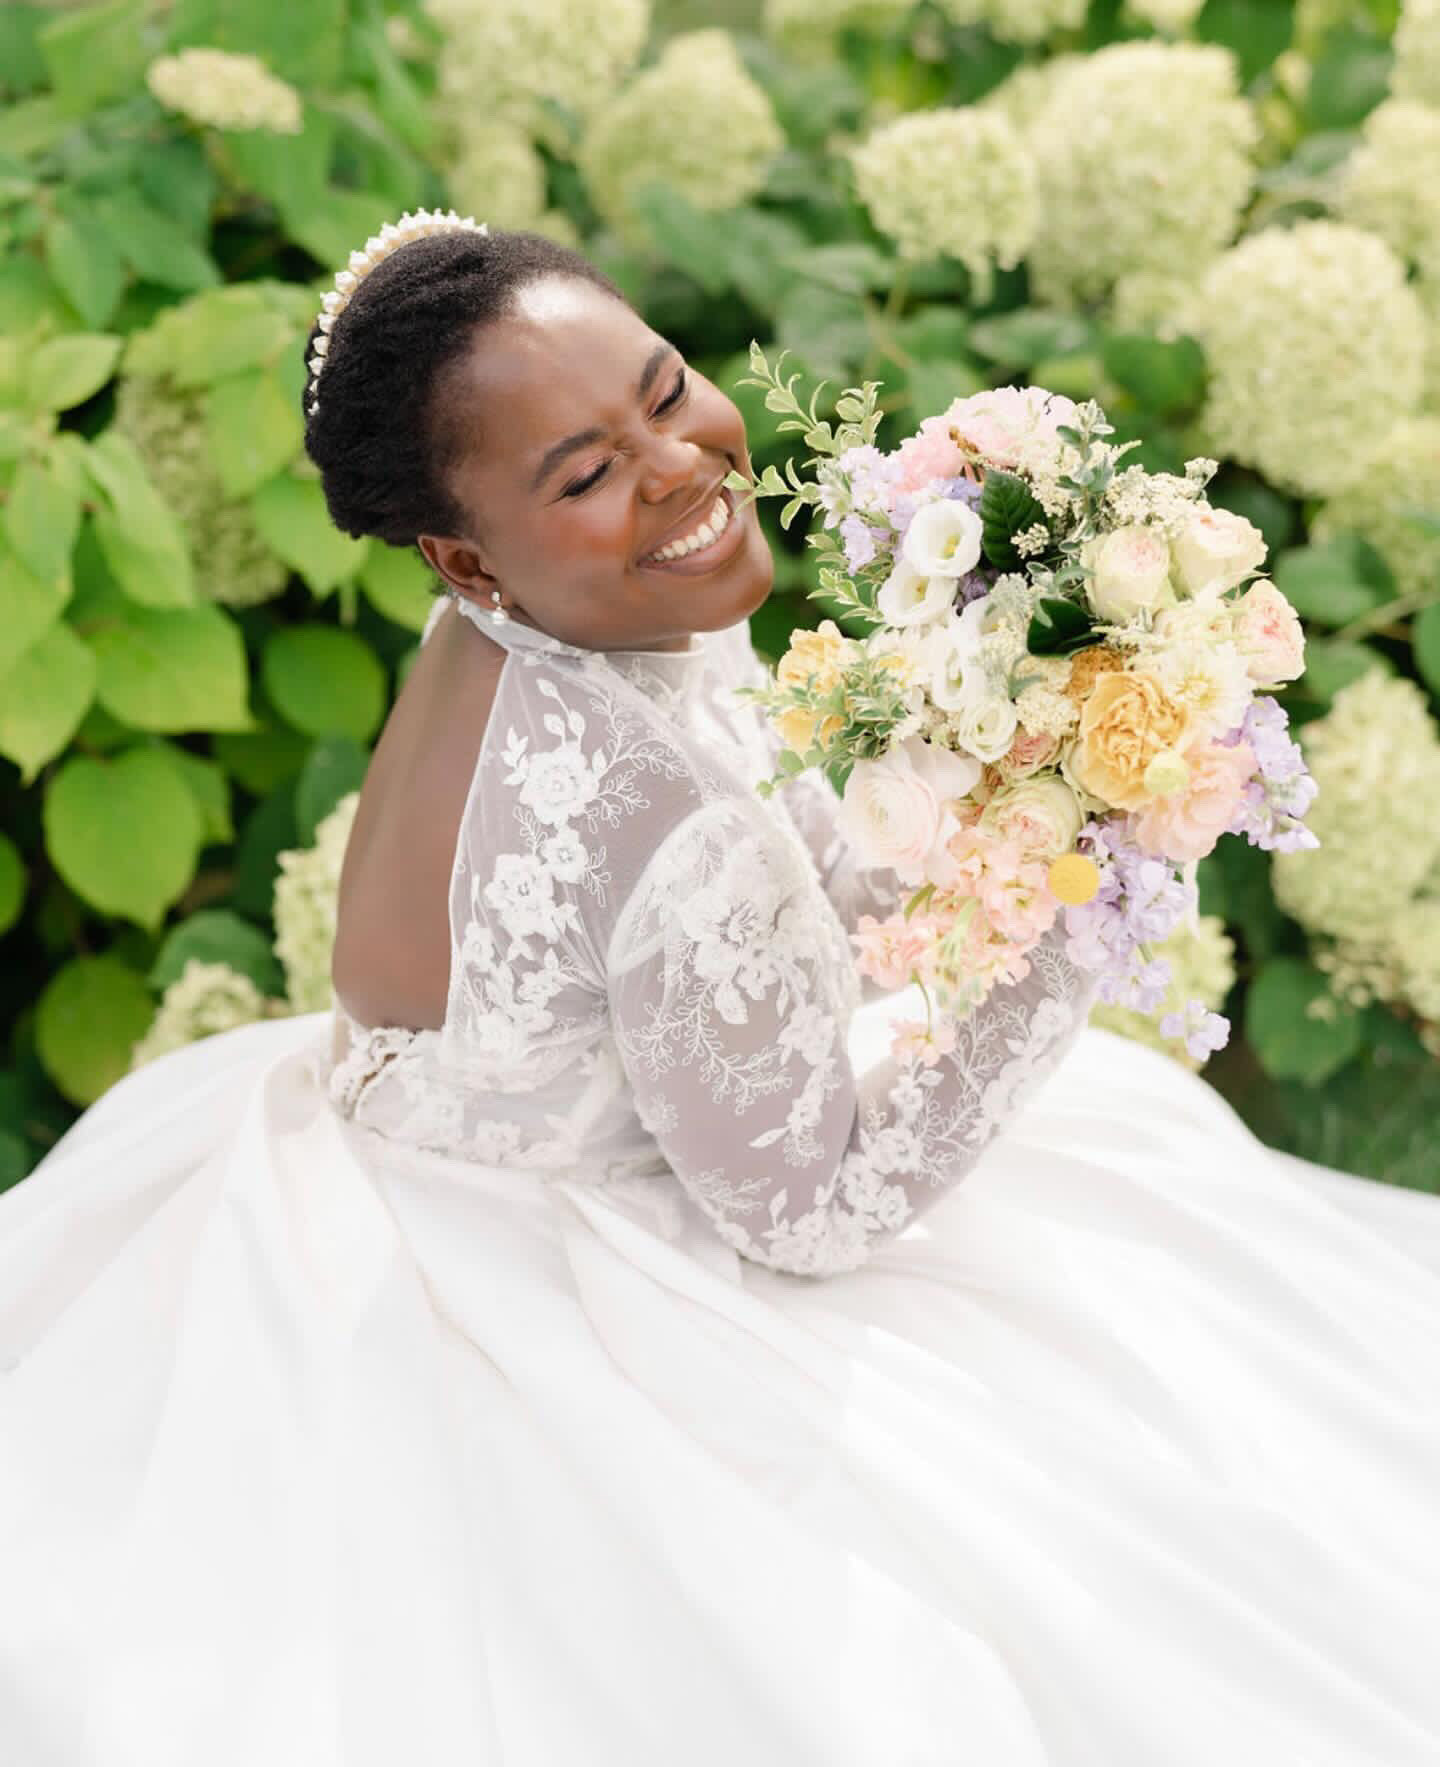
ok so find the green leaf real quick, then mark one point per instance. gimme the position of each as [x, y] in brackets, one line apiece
[1291, 1043]
[1332, 581]
[761, 250]
[153, 245]
[1348, 78]
[295, 523]
[302, 44]
[139, 534]
[43, 698]
[12, 883]
[1425, 636]
[30, 606]
[96, 53]
[1058, 627]
[263, 759]
[210, 337]
[207, 784]
[335, 766]
[85, 265]
[176, 177]
[66, 371]
[254, 430]
[268, 832]
[124, 833]
[1007, 508]
[215, 935]
[325, 681]
[1018, 339]
[691, 239]
[400, 585]
[90, 1017]
[42, 518]
[1333, 663]
[329, 221]
[1256, 34]
[1239, 875]
[1161, 376]
[934, 383]
[167, 669]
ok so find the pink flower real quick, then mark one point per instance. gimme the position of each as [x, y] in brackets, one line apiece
[1028, 753]
[931, 453]
[1187, 824]
[1001, 425]
[888, 949]
[913, 1040]
[1269, 635]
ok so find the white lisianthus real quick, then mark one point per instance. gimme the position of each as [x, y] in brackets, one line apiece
[1042, 815]
[984, 723]
[891, 808]
[909, 598]
[1215, 552]
[943, 539]
[955, 669]
[1129, 573]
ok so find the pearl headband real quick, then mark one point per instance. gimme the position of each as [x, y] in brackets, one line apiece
[378, 247]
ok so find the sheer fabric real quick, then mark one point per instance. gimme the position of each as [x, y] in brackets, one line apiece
[650, 970]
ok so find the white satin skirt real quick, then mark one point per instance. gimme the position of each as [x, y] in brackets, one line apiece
[313, 1454]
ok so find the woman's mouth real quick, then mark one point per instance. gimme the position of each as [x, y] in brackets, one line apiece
[712, 539]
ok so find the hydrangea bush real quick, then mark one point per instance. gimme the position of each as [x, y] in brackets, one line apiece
[1220, 222]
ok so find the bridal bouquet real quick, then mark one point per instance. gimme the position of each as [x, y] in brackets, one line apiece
[1056, 710]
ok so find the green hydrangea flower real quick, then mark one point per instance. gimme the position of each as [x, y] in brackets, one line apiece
[307, 894]
[1416, 73]
[1391, 183]
[1386, 488]
[204, 999]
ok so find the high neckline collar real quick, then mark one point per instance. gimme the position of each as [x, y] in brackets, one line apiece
[676, 671]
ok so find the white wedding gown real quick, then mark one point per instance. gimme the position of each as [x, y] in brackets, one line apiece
[643, 1371]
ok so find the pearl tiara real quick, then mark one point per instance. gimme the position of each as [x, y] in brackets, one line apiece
[378, 247]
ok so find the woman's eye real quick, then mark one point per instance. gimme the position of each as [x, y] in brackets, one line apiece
[673, 398]
[668, 403]
[581, 485]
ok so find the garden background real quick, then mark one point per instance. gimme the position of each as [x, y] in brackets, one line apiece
[1221, 220]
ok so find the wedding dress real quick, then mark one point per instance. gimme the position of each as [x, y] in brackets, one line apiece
[644, 1368]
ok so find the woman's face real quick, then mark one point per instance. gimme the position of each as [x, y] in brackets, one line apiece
[585, 446]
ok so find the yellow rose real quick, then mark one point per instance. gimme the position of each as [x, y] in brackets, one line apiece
[1124, 724]
[822, 653]
[797, 728]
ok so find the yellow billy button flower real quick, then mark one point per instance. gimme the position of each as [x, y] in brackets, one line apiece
[1074, 879]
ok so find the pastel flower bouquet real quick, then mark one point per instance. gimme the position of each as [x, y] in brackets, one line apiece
[1056, 711]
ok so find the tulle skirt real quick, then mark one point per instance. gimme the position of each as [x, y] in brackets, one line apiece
[314, 1453]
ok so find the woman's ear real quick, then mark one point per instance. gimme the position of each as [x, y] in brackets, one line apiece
[460, 563]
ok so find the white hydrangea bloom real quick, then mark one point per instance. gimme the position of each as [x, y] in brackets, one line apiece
[956, 181]
[1174, 17]
[809, 28]
[307, 893]
[1384, 490]
[1122, 188]
[1202, 967]
[1151, 300]
[224, 90]
[496, 172]
[1018, 21]
[1023, 95]
[666, 124]
[234, 565]
[1315, 346]
[204, 999]
[1375, 757]
[1391, 183]
[1416, 73]
[505, 57]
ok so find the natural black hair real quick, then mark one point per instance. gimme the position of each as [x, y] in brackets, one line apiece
[376, 433]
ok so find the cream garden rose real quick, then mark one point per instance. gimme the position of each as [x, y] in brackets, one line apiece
[1042, 816]
[891, 809]
[1268, 634]
[1218, 550]
[1130, 573]
[984, 722]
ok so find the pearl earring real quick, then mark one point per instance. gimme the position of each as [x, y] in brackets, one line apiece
[497, 613]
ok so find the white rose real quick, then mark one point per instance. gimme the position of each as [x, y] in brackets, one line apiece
[1130, 573]
[909, 599]
[943, 540]
[891, 808]
[1042, 815]
[1269, 635]
[984, 723]
[1216, 551]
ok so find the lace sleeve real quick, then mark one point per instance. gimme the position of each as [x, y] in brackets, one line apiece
[729, 1015]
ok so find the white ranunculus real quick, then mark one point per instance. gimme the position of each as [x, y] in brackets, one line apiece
[943, 539]
[1042, 815]
[907, 598]
[1130, 573]
[1216, 551]
[891, 808]
[984, 723]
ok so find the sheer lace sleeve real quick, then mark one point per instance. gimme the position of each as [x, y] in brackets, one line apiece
[728, 1009]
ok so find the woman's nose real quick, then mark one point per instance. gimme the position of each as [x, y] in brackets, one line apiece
[671, 464]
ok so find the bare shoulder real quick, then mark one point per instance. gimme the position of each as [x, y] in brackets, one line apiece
[392, 946]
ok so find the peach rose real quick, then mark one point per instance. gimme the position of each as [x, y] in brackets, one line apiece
[1187, 825]
[1269, 635]
[1028, 753]
[1124, 724]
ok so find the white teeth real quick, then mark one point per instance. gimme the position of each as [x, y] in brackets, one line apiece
[706, 534]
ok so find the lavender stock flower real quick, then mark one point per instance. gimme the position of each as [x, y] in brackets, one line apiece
[1270, 813]
[1140, 901]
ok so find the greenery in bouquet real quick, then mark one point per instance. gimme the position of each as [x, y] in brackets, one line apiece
[1057, 712]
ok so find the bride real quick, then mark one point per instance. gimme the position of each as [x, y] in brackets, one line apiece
[588, 1346]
